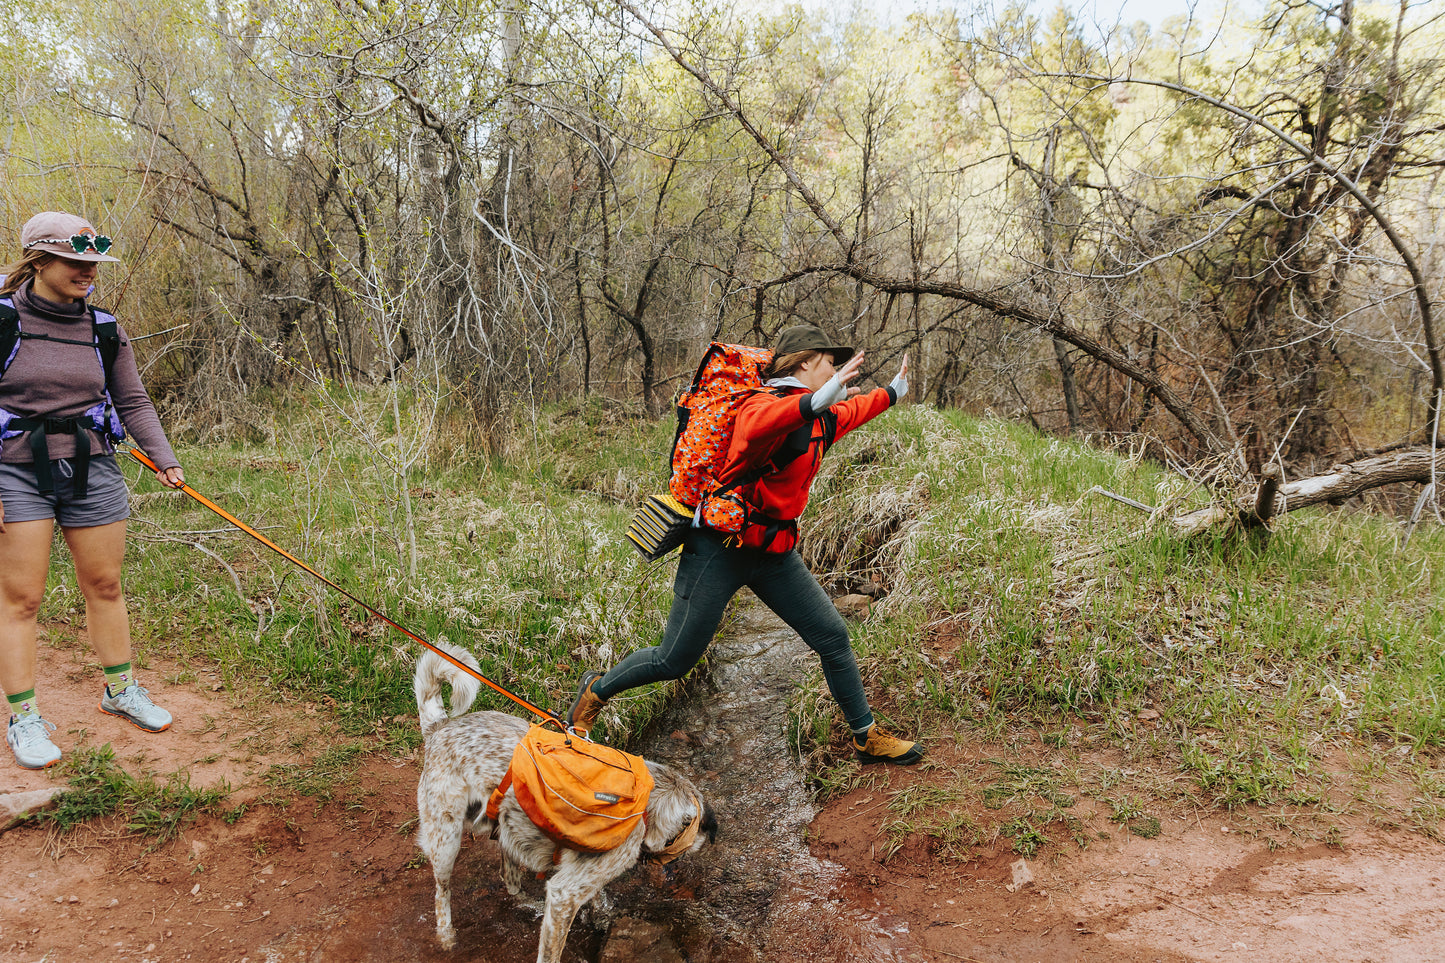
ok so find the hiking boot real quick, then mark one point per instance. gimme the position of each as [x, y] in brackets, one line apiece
[134, 705]
[881, 747]
[29, 738]
[587, 706]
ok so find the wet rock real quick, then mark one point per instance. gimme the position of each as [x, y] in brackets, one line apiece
[15, 805]
[640, 941]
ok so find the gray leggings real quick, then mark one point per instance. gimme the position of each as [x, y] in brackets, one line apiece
[708, 576]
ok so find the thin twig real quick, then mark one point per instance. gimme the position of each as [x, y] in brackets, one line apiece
[1121, 498]
[157, 334]
[956, 956]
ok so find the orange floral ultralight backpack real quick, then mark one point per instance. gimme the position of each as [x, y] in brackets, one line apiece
[582, 795]
[728, 374]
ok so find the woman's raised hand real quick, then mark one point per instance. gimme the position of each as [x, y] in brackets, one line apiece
[848, 372]
[899, 384]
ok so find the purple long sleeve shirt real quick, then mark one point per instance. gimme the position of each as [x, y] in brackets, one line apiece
[59, 380]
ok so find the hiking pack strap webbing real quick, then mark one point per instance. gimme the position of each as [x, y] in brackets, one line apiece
[40, 429]
[544, 714]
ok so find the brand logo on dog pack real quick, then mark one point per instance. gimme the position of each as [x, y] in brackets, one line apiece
[606, 797]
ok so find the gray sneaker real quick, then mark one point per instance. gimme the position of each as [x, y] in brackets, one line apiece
[134, 705]
[29, 738]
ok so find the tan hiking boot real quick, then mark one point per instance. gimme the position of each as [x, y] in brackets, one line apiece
[587, 706]
[881, 747]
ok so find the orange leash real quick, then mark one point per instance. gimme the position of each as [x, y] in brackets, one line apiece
[552, 717]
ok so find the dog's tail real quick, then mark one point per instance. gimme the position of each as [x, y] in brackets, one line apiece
[431, 672]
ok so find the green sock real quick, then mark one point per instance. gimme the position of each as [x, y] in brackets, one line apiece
[118, 678]
[24, 704]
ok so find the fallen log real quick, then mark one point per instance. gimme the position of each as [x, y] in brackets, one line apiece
[1343, 481]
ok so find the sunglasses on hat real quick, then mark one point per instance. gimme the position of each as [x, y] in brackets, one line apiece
[78, 242]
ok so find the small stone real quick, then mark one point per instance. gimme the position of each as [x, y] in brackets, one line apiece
[14, 805]
[195, 889]
[1022, 876]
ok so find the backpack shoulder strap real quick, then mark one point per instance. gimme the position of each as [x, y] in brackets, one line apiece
[107, 340]
[800, 439]
[9, 332]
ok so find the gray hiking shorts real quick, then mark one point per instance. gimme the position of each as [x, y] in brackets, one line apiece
[106, 497]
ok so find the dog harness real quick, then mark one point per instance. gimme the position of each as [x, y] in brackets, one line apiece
[683, 841]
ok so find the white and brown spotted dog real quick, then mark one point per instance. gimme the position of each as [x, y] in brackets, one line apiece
[466, 757]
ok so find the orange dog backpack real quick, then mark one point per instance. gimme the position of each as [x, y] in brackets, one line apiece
[581, 795]
[727, 375]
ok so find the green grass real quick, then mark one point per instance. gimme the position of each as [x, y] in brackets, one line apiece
[1017, 598]
[520, 561]
[1055, 606]
[148, 807]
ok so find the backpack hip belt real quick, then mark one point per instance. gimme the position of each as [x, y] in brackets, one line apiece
[41, 428]
[739, 515]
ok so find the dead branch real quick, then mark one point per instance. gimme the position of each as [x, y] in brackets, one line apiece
[1341, 482]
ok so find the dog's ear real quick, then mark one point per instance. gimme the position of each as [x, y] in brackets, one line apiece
[673, 806]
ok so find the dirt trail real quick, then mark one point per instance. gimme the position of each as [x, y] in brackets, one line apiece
[1205, 889]
[340, 881]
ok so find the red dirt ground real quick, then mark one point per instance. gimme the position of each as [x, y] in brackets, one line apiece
[298, 880]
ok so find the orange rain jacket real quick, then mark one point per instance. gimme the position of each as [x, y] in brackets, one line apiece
[763, 424]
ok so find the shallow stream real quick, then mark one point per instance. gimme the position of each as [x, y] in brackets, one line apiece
[758, 894]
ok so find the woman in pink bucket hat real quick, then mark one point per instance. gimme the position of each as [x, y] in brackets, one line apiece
[69, 389]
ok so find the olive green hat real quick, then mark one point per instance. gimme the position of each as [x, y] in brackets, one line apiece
[810, 337]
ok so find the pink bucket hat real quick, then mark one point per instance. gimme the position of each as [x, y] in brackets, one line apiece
[65, 235]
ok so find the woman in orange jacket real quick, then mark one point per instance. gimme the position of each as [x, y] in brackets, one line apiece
[747, 536]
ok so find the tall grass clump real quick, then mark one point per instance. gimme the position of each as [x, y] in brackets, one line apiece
[1018, 596]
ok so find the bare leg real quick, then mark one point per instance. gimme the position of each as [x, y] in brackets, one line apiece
[25, 547]
[98, 553]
